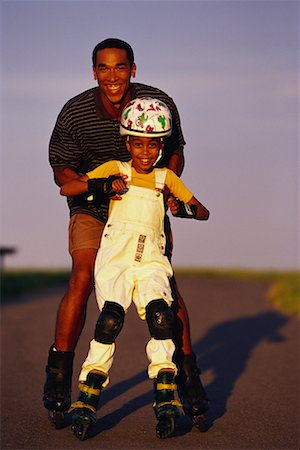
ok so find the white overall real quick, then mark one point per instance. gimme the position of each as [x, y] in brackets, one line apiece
[131, 266]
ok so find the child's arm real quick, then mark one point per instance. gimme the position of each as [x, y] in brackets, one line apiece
[202, 212]
[114, 184]
[180, 194]
[193, 209]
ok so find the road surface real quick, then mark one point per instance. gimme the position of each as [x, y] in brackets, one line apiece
[248, 352]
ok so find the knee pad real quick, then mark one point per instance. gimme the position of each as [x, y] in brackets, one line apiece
[160, 319]
[109, 323]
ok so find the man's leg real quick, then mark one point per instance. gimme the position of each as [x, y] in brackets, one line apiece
[182, 326]
[190, 388]
[72, 309]
[70, 320]
[84, 239]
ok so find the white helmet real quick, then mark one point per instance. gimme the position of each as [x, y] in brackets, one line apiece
[148, 117]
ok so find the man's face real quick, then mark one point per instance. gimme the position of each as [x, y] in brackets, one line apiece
[113, 73]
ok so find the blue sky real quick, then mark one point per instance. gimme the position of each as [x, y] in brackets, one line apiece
[232, 69]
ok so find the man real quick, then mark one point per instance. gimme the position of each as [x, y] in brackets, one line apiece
[86, 135]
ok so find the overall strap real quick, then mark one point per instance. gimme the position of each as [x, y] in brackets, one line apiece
[160, 178]
[125, 169]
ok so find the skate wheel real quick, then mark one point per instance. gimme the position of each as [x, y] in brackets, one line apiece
[200, 423]
[165, 427]
[81, 426]
[57, 419]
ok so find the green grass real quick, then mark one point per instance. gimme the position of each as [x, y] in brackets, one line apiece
[249, 274]
[284, 291]
[285, 294]
[17, 282]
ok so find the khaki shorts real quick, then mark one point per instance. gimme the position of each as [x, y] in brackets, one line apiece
[84, 232]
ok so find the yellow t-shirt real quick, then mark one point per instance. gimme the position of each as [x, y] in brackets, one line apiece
[147, 180]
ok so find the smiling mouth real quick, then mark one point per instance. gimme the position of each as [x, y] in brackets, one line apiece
[113, 88]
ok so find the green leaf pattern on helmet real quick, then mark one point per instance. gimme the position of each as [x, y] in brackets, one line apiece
[162, 120]
[146, 116]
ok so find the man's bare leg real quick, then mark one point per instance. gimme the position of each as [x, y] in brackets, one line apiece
[72, 309]
[190, 388]
[69, 324]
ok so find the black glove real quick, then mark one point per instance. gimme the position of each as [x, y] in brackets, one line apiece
[102, 186]
[186, 211]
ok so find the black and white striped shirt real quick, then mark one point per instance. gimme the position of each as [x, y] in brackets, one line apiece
[85, 136]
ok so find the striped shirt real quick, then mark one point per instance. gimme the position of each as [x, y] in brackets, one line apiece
[85, 136]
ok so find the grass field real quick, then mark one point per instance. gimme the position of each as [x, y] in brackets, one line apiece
[17, 282]
[284, 291]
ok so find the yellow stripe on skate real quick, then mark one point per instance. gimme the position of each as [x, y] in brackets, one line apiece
[172, 402]
[170, 387]
[88, 390]
[78, 405]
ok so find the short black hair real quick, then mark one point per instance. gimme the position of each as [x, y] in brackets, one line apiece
[114, 43]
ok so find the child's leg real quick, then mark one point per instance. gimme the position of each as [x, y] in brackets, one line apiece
[84, 410]
[94, 373]
[102, 347]
[165, 406]
[92, 379]
[160, 351]
[100, 357]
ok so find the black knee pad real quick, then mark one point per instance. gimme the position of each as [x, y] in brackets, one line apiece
[109, 323]
[160, 319]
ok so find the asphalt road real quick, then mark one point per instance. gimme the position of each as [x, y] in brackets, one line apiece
[248, 352]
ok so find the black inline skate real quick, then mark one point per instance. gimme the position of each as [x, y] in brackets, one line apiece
[165, 406]
[192, 393]
[84, 410]
[57, 388]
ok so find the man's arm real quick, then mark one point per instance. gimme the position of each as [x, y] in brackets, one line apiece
[176, 162]
[65, 154]
[63, 176]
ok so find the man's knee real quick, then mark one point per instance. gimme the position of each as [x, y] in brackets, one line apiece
[109, 323]
[82, 275]
[160, 319]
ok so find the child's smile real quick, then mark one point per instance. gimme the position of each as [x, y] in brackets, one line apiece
[144, 152]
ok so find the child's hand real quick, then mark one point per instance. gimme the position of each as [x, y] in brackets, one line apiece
[173, 205]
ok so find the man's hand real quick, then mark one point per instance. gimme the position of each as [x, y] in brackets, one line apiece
[119, 187]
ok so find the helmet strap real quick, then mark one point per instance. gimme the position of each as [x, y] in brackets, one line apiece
[160, 153]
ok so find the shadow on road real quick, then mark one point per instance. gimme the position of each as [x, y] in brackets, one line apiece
[224, 351]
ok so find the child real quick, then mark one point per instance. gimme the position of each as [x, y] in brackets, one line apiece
[131, 264]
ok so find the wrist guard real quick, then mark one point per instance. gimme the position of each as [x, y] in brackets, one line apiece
[186, 211]
[102, 186]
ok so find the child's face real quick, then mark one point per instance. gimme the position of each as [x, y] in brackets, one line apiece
[144, 152]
